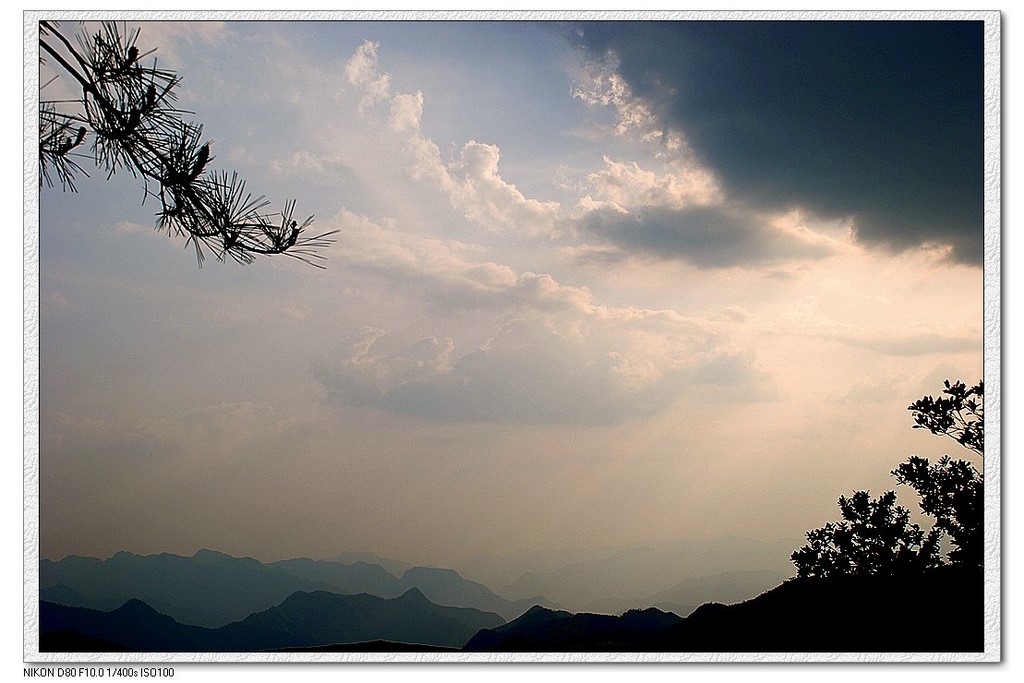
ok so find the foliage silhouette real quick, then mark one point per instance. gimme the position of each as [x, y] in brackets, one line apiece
[952, 491]
[125, 120]
[876, 537]
[960, 417]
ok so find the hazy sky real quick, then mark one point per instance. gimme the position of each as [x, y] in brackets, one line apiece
[594, 284]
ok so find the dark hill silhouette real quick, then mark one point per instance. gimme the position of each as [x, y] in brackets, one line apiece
[372, 646]
[536, 616]
[937, 611]
[308, 619]
[542, 629]
[70, 641]
[303, 620]
[135, 625]
[531, 626]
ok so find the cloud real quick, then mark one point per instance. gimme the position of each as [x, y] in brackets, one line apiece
[314, 167]
[627, 184]
[679, 212]
[531, 372]
[457, 276]
[407, 112]
[601, 84]
[488, 199]
[366, 375]
[471, 180]
[914, 340]
[361, 71]
[130, 228]
[175, 38]
[555, 356]
[446, 272]
[704, 236]
[877, 121]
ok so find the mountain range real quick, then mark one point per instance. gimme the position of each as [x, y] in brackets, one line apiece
[304, 619]
[212, 589]
[615, 579]
[939, 610]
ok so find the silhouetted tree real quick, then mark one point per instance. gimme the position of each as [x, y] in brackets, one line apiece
[960, 415]
[125, 119]
[876, 537]
[952, 491]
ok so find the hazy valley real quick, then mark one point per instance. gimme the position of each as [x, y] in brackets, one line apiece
[213, 602]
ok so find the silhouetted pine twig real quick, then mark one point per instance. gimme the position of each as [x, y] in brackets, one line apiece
[126, 120]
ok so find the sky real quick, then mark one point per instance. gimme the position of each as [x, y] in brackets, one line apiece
[593, 284]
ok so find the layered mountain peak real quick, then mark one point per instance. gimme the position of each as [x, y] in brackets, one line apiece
[414, 595]
[205, 555]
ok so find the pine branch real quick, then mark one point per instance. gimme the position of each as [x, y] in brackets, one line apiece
[127, 114]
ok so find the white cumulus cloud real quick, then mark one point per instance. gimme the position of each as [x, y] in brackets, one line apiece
[361, 71]
[471, 181]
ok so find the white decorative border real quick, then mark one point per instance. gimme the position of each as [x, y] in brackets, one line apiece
[992, 322]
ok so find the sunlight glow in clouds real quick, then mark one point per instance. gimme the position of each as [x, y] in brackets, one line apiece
[598, 362]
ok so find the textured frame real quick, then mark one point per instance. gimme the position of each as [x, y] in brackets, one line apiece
[992, 345]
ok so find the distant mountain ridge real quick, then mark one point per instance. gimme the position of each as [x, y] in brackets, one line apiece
[390, 565]
[940, 610]
[304, 619]
[676, 559]
[212, 589]
[626, 578]
[208, 589]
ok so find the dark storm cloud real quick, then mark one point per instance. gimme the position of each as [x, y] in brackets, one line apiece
[881, 121]
[707, 237]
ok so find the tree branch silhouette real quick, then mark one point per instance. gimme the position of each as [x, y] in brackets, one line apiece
[876, 536]
[960, 415]
[126, 120]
